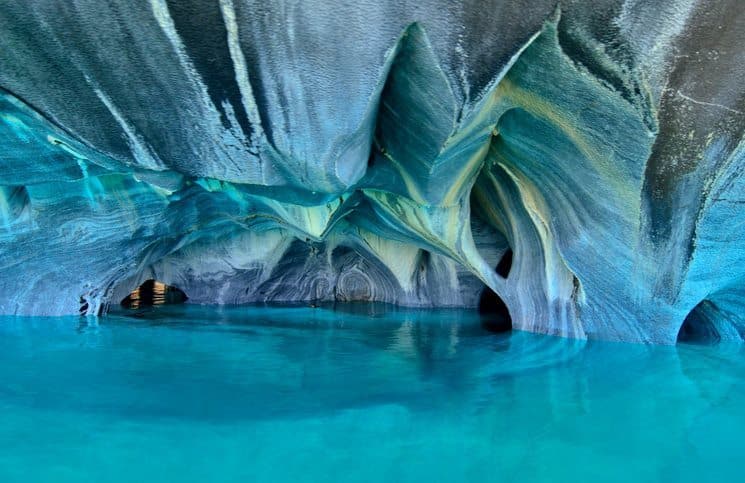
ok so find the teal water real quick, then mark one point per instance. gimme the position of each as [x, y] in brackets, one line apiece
[366, 393]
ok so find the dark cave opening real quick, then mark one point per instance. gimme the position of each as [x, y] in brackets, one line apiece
[83, 307]
[698, 328]
[152, 292]
[505, 264]
[495, 316]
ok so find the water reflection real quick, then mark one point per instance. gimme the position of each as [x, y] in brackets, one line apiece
[277, 361]
[524, 399]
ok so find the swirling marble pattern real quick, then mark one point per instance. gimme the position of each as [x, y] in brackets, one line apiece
[250, 152]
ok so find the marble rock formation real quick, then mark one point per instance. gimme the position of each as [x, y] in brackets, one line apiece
[248, 151]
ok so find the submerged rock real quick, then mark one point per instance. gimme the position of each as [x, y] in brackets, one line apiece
[246, 151]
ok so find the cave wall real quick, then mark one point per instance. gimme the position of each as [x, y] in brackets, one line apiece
[246, 151]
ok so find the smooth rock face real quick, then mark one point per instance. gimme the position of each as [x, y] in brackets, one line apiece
[249, 151]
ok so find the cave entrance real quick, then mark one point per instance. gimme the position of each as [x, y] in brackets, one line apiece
[152, 292]
[697, 328]
[495, 316]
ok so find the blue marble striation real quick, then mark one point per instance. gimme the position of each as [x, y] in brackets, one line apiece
[250, 151]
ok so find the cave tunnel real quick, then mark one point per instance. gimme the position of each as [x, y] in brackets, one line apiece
[152, 292]
[698, 328]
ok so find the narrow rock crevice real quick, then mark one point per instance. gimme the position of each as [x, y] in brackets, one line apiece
[505, 264]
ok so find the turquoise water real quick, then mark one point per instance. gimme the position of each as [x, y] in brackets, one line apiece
[366, 393]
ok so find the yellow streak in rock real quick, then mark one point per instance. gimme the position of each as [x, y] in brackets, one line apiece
[312, 221]
[571, 127]
[467, 172]
[409, 181]
[400, 258]
[535, 206]
[490, 210]
[446, 229]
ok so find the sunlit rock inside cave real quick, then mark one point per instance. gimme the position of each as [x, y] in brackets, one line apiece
[464, 233]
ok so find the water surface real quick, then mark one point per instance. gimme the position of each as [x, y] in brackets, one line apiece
[363, 393]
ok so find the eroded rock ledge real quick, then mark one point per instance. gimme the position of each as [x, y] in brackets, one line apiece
[244, 151]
